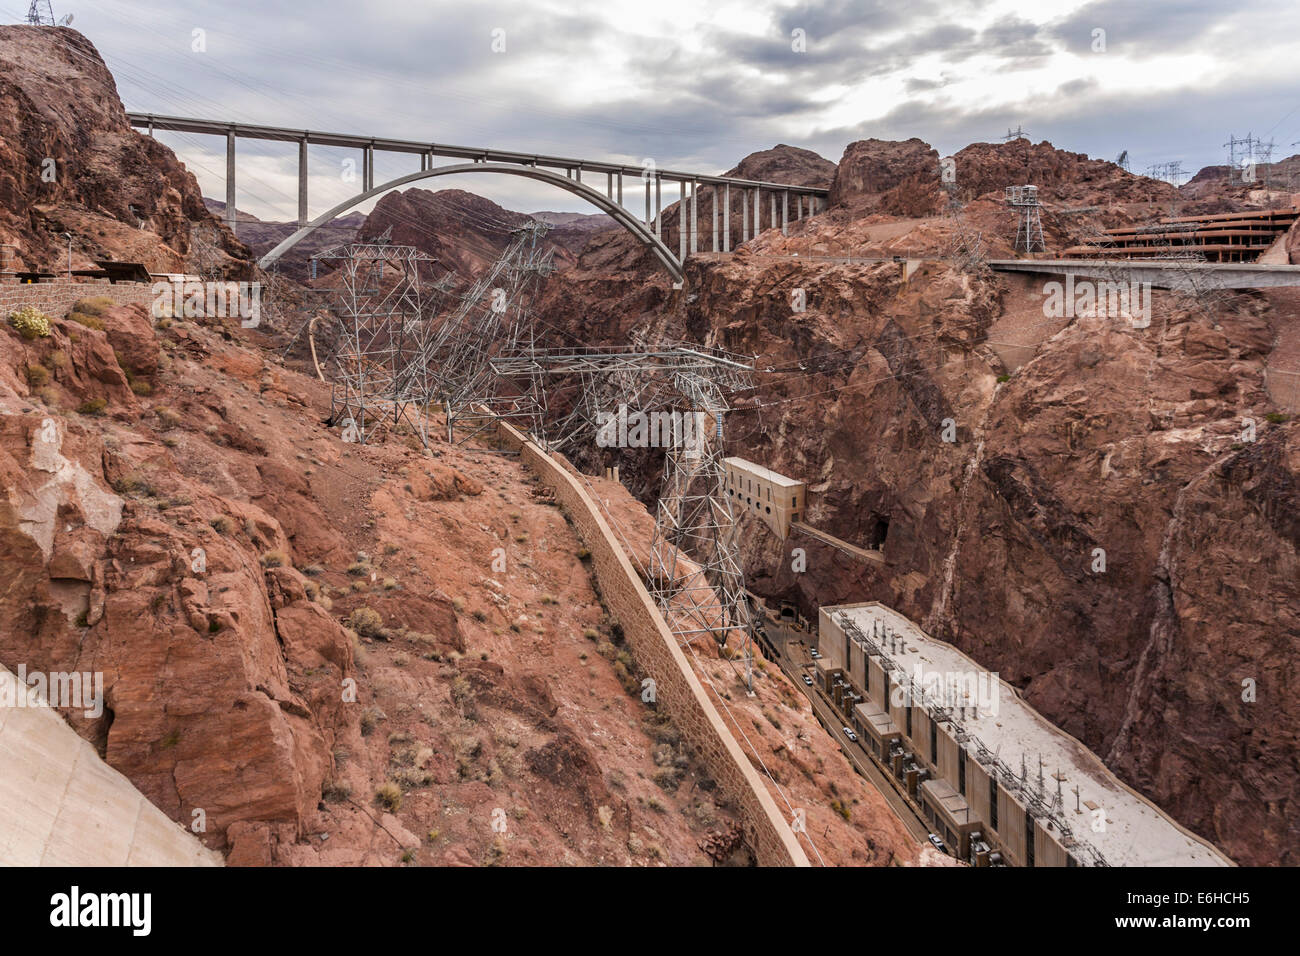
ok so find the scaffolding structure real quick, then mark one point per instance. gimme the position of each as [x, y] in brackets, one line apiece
[379, 316]
[1029, 220]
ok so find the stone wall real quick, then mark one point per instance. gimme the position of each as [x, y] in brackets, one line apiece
[57, 296]
[678, 690]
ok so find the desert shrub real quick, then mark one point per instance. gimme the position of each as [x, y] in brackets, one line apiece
[89, 321]
[366, 621]
[94, 406]
[389, 796]
[220, 524]
[1277, 418]
[37, 375]
[141, 387]
[335, 792]
[134, 485]
[167, 417]
[30, 323]
[94, 306]
[274, 559]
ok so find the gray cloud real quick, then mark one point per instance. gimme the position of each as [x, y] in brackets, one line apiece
[701, 96]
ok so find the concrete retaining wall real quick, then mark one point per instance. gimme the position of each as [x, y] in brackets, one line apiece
[678, 690]
[61, 805]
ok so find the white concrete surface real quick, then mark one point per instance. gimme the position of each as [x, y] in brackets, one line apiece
[61, 805]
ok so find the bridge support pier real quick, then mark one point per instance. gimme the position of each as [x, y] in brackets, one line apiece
[367, 169]
[785, 213]
[713, 202]
[609, 185]
[744, 215]
[758, 219]
[695, 208]
[659, 206]
[620, 187]
[302, 183]
[230, 180]
[772, 222]
[647, 203]
[681, 221]
[726, 218]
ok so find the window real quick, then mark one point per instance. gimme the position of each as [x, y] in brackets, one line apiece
[961, 770]
[909, 721]
[934, 742]
[794, 502]
[1029, 840]
[993, 803]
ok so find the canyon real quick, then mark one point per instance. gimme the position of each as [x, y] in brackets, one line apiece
[935, 410]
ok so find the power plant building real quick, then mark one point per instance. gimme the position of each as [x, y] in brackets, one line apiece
[776, 499]
[997, 781]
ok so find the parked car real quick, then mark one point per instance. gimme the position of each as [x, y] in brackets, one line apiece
[807, 680]
[937, 843]
[848, 732]
[814, 654]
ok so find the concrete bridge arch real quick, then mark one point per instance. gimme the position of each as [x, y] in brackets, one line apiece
[596, 198]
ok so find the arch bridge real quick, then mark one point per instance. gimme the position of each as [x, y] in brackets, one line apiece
[783, 199]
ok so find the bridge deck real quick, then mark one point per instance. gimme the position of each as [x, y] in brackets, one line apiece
[480, 154]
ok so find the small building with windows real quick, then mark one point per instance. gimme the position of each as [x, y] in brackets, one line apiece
[776, 499]
[997, 782]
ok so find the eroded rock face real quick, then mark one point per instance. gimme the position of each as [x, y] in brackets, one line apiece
[1100, 441]
[72, 163]
[878, 174]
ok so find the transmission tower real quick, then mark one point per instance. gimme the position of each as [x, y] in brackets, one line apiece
[379, 318]
[1122, 161]
[38, 17]
[451, 365]
[1245, 156]
[1018, 133]
[695, 572]
[1029, 224]
[1170, 172]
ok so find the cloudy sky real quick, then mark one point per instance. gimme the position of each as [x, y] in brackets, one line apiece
[695, 85]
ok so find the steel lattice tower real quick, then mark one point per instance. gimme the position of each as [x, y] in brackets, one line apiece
[379, 317]
[695, 573]
[1029, 226]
